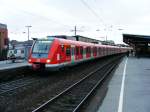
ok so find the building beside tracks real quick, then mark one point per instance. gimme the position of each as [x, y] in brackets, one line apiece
[20, 49]
[4, 41]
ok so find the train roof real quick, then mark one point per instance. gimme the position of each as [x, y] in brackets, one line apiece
[66, 41]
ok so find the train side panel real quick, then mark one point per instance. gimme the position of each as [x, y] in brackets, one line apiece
[65, 52]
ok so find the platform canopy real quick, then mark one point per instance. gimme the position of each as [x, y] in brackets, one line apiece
[136, 39]
[140, 43]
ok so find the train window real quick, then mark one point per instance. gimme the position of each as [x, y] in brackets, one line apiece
[88, 50]
[42, 46]
[94, 49]
[99, 51]
[81, 50]
[77, 50]
[68, 53]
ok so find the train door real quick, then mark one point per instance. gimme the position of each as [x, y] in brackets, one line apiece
[72, 53]
[84, 52]
[68, 53]
[77, 52]
[81, 52]
[62, 54]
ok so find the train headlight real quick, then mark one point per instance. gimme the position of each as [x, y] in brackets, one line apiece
[48, 61]
[29, 60]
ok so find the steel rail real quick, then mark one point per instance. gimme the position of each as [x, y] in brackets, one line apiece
[94, 88]
[41, 107]
[13, 85]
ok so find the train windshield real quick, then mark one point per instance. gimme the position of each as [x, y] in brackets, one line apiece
[41, 46]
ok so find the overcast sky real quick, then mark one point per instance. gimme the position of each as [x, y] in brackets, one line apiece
[93, 18]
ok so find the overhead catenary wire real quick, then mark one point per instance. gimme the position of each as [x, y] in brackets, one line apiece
[96, 15]
[47, 18]
[93, 12]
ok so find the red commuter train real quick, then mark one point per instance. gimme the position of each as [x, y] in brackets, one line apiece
[57, 53]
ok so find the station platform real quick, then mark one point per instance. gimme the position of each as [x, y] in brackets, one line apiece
[9, 65]
[129, 88]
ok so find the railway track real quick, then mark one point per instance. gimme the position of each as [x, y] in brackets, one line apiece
[71, 99]
[16, 84]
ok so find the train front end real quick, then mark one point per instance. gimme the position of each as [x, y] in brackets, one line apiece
[40, 54]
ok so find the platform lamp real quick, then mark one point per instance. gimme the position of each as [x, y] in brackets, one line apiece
[28, 28]
[27, 46]
[75, 30]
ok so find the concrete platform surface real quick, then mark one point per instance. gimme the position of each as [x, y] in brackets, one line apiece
[9, 65]
[129, 89]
